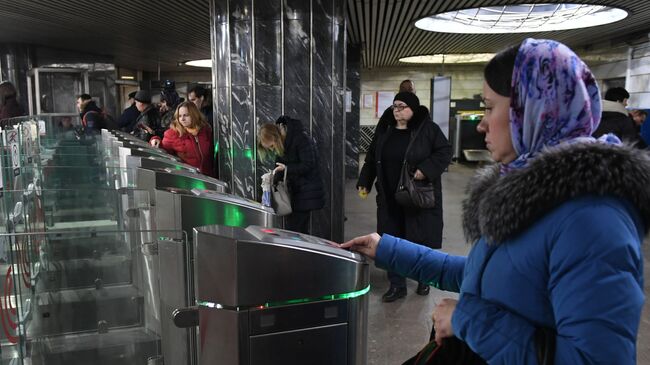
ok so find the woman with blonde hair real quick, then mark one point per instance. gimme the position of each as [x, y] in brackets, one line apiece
[294, 150]
[190, 138]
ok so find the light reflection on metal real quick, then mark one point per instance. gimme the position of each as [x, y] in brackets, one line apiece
[349, 295]
[233, 216]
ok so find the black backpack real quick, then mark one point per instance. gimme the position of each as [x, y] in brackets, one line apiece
[107, 121]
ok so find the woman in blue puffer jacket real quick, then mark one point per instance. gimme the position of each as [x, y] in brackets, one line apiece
[556, 225]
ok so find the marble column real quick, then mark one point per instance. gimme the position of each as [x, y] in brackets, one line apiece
[280, 57]
[352, 118]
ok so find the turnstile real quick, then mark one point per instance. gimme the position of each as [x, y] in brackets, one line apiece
[271, 297]
[152, 178]
[156, 162]
[180, 210]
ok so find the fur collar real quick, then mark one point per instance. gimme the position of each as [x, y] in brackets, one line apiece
[499, 207]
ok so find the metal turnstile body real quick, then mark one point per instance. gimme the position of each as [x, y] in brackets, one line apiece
[152, 178]
[128, 137]
[271, 297]
[179, 210]
[154, 162]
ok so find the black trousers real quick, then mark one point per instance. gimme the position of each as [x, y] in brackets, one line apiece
[391, 219]
[297, 221]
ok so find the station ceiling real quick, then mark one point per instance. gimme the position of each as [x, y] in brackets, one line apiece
[143, 34]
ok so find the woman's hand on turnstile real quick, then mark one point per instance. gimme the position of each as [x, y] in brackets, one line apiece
[365, 245]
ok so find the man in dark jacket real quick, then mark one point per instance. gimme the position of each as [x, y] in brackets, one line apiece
[92, 117]
[9, 106]
[147, 124]
[200, 97]
[615, 118]
[129, 115]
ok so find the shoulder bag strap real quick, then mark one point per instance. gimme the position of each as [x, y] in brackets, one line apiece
[284, 174]
[413, 137]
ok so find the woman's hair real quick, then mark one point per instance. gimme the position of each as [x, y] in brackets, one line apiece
[498, 72]
[617, 94]
[270, 132]
[198, 119]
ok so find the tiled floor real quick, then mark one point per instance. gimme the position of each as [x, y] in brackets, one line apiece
[398, 330]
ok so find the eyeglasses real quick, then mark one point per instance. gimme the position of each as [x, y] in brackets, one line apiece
[398, 108]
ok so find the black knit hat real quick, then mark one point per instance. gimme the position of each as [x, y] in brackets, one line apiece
[409, 98]
[170, 97]
[143, 96]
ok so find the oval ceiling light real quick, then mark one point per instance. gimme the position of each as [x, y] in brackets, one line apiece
[200, 63]
[521, 18]
[449, 58]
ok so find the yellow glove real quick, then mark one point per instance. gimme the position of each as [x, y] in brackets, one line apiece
[363, 193]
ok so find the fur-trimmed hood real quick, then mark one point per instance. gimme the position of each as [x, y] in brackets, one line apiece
[500, 207]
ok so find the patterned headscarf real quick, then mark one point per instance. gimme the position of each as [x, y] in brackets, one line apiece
[554, 99]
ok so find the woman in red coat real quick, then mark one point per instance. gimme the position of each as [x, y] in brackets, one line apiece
[189, 137]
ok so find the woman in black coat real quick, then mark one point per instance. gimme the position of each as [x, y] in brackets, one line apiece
[429, 156]
[295, 151]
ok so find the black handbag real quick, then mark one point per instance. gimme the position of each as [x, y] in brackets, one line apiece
[452, 352]
[413, 193]
[455, 351]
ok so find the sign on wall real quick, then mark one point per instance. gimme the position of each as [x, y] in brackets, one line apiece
[384, 100]
[368, 101]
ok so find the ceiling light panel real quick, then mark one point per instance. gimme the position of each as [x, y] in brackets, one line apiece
[449, 58]
[521, 18]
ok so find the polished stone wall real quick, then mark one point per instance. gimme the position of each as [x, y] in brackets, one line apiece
[352, 117]
[276, 57]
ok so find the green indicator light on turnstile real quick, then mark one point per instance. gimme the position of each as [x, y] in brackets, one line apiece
[248, 153]
[184, 183]
[354, 294]
[349, 295]
[216, 149]
[198, 185]
[233, 216]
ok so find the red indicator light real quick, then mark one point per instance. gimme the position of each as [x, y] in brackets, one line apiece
[266, 230]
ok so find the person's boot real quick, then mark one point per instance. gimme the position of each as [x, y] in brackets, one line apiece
[393, 294]
[423, 289]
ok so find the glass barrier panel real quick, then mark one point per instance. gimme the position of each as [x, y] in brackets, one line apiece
[94, 299]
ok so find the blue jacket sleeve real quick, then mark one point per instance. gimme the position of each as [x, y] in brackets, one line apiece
[420, 263]
[595, 290]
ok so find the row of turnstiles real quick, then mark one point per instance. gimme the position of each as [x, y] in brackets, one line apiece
[223, 283]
